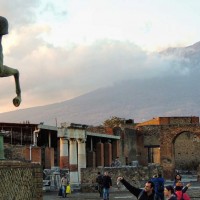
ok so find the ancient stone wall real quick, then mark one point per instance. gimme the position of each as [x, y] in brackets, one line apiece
[14, 152]
[135, 175]
[20, 180]
[127, 146]
[23, 153]
[179, 145]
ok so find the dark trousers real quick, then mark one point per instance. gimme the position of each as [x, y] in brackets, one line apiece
[100, 189]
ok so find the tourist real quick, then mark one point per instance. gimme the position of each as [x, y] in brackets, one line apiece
[107, 183]
[147, 193]
[180, 191]
[117, 162]
[177, 178]
[64, 185]
[113, 163]
[169, 193]
[159, 181]
[99, 181]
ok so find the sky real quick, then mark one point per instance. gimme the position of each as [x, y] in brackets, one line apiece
[66, 48]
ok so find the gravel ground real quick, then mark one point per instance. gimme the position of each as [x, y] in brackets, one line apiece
[194, 193]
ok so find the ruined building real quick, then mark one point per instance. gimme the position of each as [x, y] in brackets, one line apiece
[172, 142]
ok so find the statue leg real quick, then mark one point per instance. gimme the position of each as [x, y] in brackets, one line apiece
[7, 71]
[17, 100]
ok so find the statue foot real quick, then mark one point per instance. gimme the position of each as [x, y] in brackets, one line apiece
[16, 101]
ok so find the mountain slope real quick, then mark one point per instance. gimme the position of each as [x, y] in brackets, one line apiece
[170, 95]
[132, 99]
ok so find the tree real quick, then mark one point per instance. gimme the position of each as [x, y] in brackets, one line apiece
[113, 122]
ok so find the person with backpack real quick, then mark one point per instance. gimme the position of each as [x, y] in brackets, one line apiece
[159, 182]
[147, 193]
[99, 181]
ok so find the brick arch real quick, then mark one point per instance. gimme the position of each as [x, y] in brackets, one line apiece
[168, 137]
[186, 156]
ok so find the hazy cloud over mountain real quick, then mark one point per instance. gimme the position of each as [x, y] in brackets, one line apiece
[165, 92]
[53, 72]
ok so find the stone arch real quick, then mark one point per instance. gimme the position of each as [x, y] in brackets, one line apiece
[186, 148]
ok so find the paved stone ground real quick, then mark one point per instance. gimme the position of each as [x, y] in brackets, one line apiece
[194, 193]
[115, 194]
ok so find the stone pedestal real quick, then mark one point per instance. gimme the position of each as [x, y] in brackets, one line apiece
[1, 147]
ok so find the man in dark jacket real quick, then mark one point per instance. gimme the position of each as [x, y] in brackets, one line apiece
[107, 183]
[147, 193]
[99, 181]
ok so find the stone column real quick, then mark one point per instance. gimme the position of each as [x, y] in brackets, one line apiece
[91, 159]
[49, 139]
[49, 157]
[64, 153]
[100, 154]
[108, 154]
[115, 149]
[74, 178]
[81, 156]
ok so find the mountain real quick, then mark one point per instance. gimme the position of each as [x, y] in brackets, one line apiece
[141, 100]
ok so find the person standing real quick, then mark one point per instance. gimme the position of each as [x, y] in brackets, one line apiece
[64, 185]
[99, 181]
[159, 182]
[147, 193]
[177, 178]
[107, 183]
[180, 191]
[117, 162]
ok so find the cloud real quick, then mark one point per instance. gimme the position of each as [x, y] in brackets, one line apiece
[50, 73]
[20, 12]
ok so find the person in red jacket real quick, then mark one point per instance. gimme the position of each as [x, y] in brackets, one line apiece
[181, 191]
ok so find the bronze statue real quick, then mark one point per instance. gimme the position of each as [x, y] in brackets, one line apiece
[6, 71]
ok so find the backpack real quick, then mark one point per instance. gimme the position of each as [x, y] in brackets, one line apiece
[99, 180]
[160, 187]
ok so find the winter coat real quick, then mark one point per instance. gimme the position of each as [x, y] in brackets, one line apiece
[107, 182]
[179, 195]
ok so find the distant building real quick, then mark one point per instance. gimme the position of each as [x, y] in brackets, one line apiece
[172, 142]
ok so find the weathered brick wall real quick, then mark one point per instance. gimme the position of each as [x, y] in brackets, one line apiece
[151, 135]
[127, 146]
[178, 120]
[186, 152]
[20, 180]
[130, 148]
[135, 175]
[179, 145]
[16, 152]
